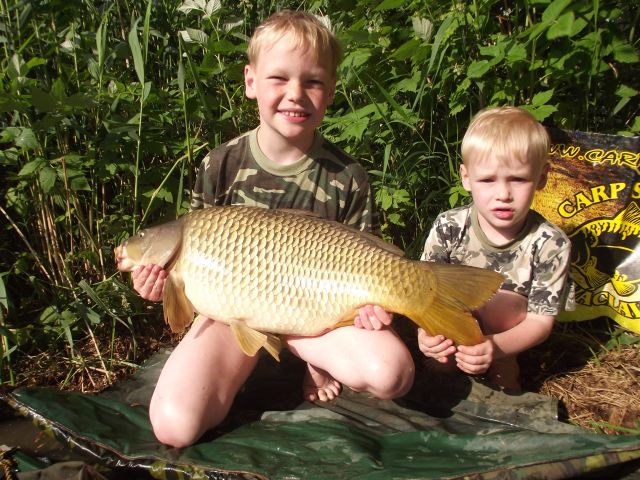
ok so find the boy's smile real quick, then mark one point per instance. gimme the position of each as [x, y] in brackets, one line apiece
[293, 88]
[502, 194]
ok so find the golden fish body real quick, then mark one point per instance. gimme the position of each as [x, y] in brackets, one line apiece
[281, 272]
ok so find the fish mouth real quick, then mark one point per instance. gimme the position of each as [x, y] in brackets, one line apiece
[123, 262]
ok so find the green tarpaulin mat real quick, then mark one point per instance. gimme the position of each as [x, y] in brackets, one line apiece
[446, 427]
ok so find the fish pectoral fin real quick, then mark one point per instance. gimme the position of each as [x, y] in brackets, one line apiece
[346, 321]
[251, 340]
[178, 311]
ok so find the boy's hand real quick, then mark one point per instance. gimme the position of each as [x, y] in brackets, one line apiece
[148, 281]
[437, 347]
[476, 359]
[372, 317]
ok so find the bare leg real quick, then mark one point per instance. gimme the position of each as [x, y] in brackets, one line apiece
[374, 361]
[198, 383]
[505, 372]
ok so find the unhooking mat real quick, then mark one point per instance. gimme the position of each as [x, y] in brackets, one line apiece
[446, 427]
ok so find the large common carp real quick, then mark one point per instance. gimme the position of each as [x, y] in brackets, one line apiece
[267, 272]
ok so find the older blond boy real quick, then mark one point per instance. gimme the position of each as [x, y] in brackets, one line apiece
[284, 163]
[505, 160]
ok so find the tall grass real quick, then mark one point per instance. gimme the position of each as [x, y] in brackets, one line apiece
[107, 108]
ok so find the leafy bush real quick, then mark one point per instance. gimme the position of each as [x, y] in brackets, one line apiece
[108, 107]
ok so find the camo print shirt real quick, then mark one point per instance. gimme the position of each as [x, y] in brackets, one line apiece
[536, 264]
[326, 181]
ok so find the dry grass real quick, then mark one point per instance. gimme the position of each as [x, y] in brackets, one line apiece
[594, 370]
[603, 394]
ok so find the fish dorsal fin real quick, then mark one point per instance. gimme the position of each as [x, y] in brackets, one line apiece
[178, 311]
[251, 340]
[370, 237]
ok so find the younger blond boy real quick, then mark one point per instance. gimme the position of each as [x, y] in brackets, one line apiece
[505, 160]
[284, 163]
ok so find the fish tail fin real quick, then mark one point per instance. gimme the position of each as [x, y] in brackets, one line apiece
[178, 311]
[457, 291]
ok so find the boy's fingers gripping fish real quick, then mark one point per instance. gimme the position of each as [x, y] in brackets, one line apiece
[269, 272]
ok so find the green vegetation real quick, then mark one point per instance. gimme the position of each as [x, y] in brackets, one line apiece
[107, 108]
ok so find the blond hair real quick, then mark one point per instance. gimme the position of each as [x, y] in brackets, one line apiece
[307, 31]
[506, 134]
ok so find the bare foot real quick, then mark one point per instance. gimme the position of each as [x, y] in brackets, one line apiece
[319, 385]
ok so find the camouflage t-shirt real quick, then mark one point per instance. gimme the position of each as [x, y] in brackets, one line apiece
[326, 181]
[536, 264]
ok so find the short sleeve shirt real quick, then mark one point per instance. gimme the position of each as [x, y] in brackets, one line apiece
[536, 264]
[325, 181]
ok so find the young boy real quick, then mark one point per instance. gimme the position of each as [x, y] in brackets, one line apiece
[284, 163]
[505, 160]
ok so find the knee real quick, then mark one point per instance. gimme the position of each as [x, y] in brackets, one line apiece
[390, 380]
[174, 425]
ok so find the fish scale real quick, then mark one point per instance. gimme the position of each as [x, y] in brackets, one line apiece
[298, 274]
[281, 272]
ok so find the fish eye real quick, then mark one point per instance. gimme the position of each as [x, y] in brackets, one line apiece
[141, 234]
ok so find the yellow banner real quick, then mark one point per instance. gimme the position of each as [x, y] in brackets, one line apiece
[593, 194]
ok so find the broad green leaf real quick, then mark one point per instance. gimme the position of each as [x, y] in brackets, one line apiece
[190, 5]
[42, 100]
[136, 52]
[224, 46]
[554, 10]
[389, 5]
[145, 29]
[15, 67]
[35, 62]
[407, 50]
[58, 89]
[31, 167]
[47, 177]
[516, 53]
[625, 53]
[101, 38]
[79, 101]
[542, 112]
[478, 68]
[626, 91]
[146, 91]
[87, 312]
[492, 50]
[26, 139]
[384, 199]
[441, 34]
[161, 193]
[192, 35]
[620, 105]
[562, 27]
[542, 98]
[93, 69]
[212, 7]
[77, 180]
[9, 104]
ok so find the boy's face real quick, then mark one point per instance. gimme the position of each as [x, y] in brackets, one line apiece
[502, 194]
[293, 89]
